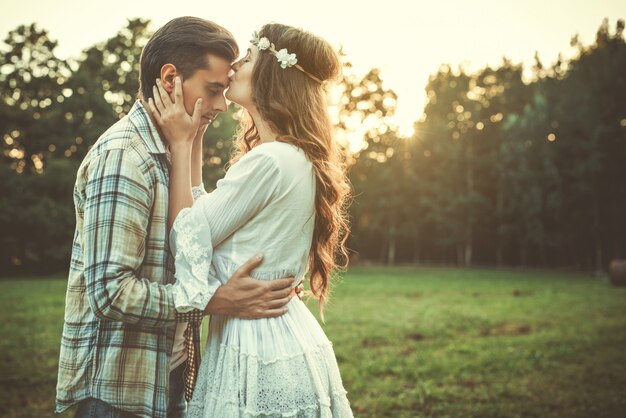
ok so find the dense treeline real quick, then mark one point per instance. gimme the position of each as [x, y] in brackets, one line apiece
[502, 170]
[506, 172]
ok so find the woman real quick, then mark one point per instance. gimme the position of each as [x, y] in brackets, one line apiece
[285, 192]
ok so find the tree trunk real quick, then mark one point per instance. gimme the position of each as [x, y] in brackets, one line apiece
[391, 249]
[416, 249]
[597, 240]
[391, 252]
[459, 255]
[467, 253]
[499, 216]
[383, 251]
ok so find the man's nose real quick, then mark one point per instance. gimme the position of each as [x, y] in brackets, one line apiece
[220, 104]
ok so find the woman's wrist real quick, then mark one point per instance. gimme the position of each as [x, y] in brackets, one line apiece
[197, 147]
[180, 147]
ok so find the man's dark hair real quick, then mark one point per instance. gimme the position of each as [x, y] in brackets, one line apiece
[185, 43]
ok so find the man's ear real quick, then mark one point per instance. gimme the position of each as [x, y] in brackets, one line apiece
[168, 73]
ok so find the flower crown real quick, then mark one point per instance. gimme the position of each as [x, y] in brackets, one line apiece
[283, 56]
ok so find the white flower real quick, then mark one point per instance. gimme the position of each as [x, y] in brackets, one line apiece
[264, 43]
[286, 59]
[283, 56]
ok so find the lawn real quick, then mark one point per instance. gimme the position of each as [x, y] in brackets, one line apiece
[411, 342]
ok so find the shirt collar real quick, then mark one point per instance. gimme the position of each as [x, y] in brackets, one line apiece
[139, 117]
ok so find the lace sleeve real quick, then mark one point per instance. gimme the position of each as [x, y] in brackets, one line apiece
[198, 191]
[190, 241]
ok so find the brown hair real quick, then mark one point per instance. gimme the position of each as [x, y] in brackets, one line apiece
[184, 42]
[294, 105]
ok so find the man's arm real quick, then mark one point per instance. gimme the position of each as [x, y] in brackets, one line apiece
[248, 298]
[118, 202]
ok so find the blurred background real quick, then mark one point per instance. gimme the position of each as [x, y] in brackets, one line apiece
[503, 155]
[486, 145]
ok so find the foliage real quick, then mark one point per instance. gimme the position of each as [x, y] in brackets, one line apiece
[502, 169]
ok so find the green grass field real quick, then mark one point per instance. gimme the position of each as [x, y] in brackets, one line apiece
[410, 343]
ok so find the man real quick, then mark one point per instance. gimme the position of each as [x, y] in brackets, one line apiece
[122, 349]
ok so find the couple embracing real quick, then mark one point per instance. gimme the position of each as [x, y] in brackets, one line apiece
[153, 252]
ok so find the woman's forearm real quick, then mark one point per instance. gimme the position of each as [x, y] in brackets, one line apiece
[196, 161]
[180, 196]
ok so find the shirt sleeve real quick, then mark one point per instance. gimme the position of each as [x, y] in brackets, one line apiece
[118, 200]
[247, 188]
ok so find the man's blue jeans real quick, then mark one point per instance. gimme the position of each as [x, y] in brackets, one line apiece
[95, 408]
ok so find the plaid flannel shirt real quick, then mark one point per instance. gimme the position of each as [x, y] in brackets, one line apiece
[120, 317]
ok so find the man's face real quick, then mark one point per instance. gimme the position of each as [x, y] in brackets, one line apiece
[209, 85]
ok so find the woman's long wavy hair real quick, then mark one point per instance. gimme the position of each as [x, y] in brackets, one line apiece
[294, 105]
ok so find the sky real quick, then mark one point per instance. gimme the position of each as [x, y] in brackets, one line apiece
[407, 40]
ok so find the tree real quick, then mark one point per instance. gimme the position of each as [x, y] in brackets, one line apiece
[592, 144]
[31, 80]
[452, 171]
[377, 163]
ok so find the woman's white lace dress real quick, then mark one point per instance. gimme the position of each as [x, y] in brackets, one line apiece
[273, 367]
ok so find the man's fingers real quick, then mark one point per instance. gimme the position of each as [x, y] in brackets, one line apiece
[274, 313]
[156, 97]
[279, 303]
[281, 293]
[165, 97]
[154, 110]
[249, 265]
[178, 90]
[281, 284]
[300, 291]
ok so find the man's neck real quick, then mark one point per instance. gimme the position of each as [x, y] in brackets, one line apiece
[162, 137]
